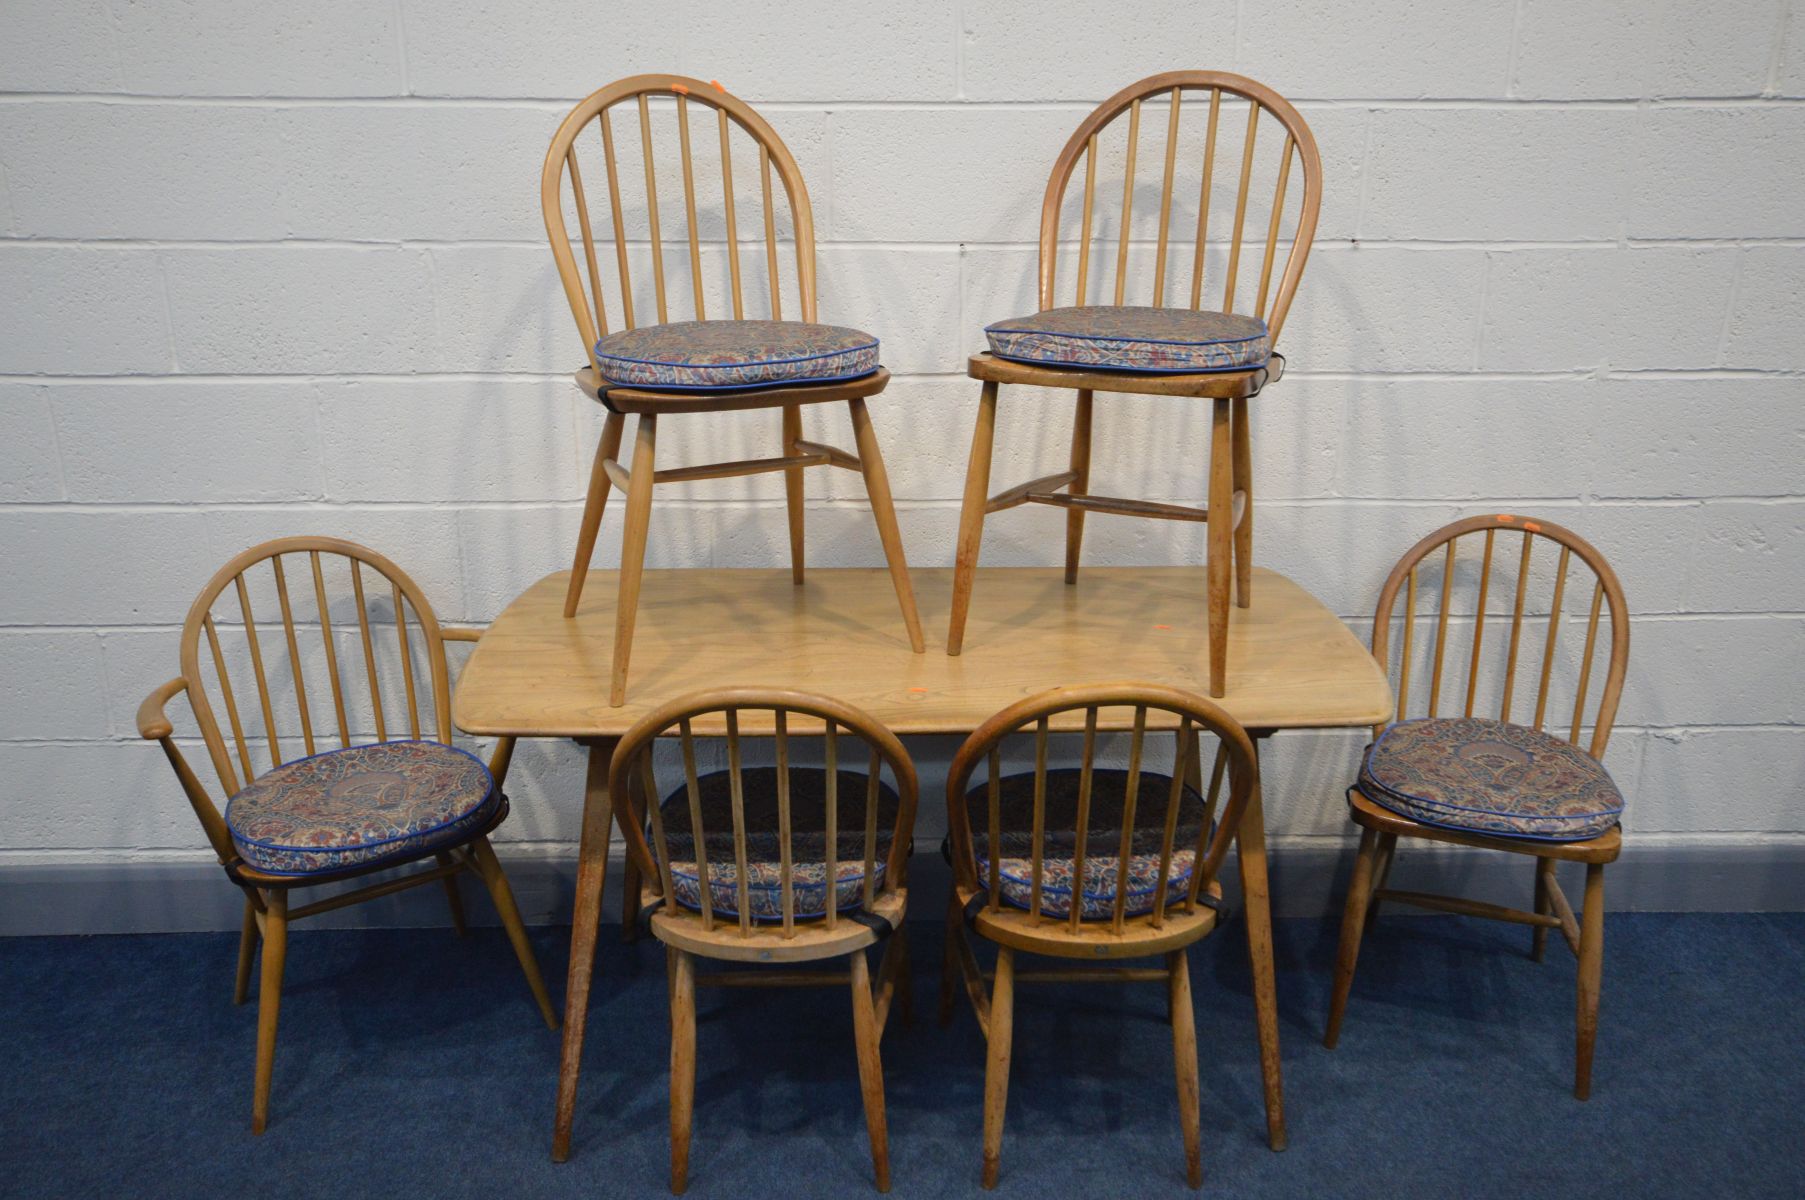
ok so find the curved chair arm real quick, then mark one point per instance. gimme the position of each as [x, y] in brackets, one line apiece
[154, 726]
[153, 723]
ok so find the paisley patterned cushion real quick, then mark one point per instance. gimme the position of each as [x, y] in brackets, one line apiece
[808, 842]
[1103, 839]
[348, 808]
[1490, 777]
[712, 355]
[1127, 338]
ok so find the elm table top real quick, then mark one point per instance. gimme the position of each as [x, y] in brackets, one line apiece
[1291, 663]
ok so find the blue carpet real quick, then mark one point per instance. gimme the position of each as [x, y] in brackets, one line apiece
[414, 1063]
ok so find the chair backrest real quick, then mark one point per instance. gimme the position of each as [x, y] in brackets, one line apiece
[1191, 715]
[1466, 592]
[628, 178]
[789, 715]
[1164, 95]
[335, 610]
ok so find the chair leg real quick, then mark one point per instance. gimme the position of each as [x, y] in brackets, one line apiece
[631, 884]
[996, 1062]
[1353, 920]
[452, 897]
[1243, 473]
[269, 1001]
[792, 488]
[683, 1064]
[1591, 975]
[489, 870]
[1544, 876]
[1184, 1057]
[1221, 535]
[607, 448]
[903, 1001]
[971, 515]
[949, 962]
[877, 487]
[247, 951]
[1081, 467]
[633, 551]
[871, 1069]
[1388, 845]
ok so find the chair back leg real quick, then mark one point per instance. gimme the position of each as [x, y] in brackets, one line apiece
[1220, 525]
[792, 489]
[1353, 924]
[453, 899]
[247, 951]
[488, 869]
[1184, 1058]
[1591, 973]
[883, 508]
[633, 551]
[1080, 486]
[1242, 438]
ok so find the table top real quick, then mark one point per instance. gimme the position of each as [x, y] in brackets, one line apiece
[1291, 662]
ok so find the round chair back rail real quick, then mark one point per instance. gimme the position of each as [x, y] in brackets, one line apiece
[1461, 613]
[1195, 715]
[1261, 102]
[588, 306]
[632, 775]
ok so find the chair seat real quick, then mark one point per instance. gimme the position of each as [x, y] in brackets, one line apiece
[1490, 777]
[808, 842]
[1059, 843]
[387, 802]
[1132, 338]
[720, 355]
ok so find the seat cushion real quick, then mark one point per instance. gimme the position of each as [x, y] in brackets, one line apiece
[369, 804]
[808, 842]
[1490, 777]
[1059, 841]
[1174, 341]
[714, 355]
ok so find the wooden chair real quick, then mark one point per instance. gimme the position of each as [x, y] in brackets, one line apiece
[1064, 832]
[343, 796]
[804, 833]
[590, 308]
[1464, 637]
[1229, 512]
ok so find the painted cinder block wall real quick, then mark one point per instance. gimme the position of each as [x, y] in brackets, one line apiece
[267, 270]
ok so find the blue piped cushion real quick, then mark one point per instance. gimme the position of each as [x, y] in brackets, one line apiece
[712, 355]
[1015, 874]
[367, 804]
[1128, 338]
[808, 842]
[1490, 777]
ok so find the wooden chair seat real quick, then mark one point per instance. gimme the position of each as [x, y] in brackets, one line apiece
[1022, 930]
[807, 941]
[360, 806]
[1368, 815]
[1215, 385]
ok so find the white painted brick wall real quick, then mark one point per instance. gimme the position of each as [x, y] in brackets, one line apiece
[274, 269]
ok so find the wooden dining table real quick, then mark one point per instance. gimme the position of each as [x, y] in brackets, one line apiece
[1292, 664]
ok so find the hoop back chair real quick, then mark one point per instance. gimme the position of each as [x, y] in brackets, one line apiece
[1090, 864]
[589, 289]
[1228, 514]
[1463, 615]
[329, 814]
[783, 865]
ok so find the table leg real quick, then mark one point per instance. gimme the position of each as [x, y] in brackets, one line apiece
[592, 875]
[1251, 851]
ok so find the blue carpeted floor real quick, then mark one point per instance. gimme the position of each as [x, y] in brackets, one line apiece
[412, 1063]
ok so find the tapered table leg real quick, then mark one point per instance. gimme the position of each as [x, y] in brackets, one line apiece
[592, 875]
[1251, 852]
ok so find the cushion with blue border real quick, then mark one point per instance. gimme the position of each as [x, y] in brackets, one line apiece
[390, 801]
[717, 355]
[1103, 839]
[808, 842]
[1490, 777]
[1176, 341]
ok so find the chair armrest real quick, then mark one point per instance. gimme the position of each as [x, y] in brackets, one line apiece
[455, 634]
[153, 724]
